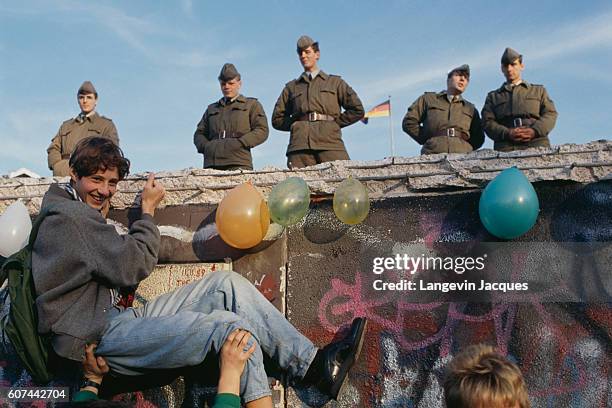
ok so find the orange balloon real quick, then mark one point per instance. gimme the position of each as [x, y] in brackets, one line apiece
[243, 217]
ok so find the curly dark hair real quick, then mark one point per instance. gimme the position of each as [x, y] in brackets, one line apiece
[98, 153]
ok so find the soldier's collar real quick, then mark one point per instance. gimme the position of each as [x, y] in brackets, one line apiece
[444, 94]
[304, 76]
[81, 118]
[238, 98]
[509, 87]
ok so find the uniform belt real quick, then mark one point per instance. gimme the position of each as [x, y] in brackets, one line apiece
[519, 122]
[315, 117]
[452, 132]
[224, 135]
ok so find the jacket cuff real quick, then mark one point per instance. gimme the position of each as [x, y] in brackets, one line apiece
[148, 217]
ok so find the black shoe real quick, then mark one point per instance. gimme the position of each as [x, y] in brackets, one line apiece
[338, 358]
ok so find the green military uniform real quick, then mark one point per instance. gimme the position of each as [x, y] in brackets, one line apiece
[442, 126]
[311, 110]
[518, 105]
[528, 102]
[309, 107]
[445, 123]
[229, 129]
[227, 132]
[70, 133]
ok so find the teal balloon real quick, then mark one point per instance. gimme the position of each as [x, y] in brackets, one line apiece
[288, 201]
[351, 201]
[509, 205]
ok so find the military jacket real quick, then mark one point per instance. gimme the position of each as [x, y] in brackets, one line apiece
[326, 94]
[432, 114]
[528, 102]
[70, 133]
[228, 130]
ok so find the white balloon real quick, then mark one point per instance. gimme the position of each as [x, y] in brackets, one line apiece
[15, 227]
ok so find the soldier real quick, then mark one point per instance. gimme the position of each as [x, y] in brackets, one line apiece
[310, 108]
[231, 126]
[518, 115]
[444, 122]
[87, 123]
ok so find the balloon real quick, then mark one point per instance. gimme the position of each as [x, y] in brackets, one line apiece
[15, 227]
[243, 217]
[289, 201]
[351, 202]
[509, 205]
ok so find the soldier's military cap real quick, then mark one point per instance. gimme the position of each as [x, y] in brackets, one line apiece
[228, 72]
[87, 88]
[462, 68]
[509, 56]
[304, 42]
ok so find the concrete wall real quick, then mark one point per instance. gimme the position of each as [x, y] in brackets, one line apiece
[319, 274]
[562, 348]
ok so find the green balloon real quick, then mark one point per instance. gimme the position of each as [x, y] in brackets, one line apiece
[288, 201]
[351, 202]
[509, 205]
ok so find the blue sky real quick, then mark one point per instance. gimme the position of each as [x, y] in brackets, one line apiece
[155, 65]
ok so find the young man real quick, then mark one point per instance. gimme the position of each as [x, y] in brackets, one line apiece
[444, 122]
[310, 108]
[518, 115]
[80, 263]
[231, 127]
[72, 131]
[479, 377]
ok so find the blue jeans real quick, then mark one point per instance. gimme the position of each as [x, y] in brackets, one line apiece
[179, 328]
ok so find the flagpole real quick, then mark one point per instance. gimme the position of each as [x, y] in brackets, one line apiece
[391, 129]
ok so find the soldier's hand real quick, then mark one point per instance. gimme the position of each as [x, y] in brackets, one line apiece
[527, 133]
[514, 135]
[152, 194]
[517, 135]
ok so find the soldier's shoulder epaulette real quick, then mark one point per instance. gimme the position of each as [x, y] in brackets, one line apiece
[537, 85]
[67, 121]
[468, 103]
[250, 98]
[105, 118]
[430, 93]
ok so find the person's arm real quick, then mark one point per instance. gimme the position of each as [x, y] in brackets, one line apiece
[94, 370]
[353, 108]
[548, 116]
[259, 127]
[494, 130]
[411, 123]
[233, 358]
[200, 137]
[110, 131]
[281, 119]
[54, 153]
[476, 133]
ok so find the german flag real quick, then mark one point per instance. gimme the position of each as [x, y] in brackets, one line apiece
[379, 111]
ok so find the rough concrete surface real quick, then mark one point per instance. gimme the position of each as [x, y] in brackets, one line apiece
[395, 176]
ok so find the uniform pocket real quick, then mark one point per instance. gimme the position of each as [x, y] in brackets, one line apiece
[532, 106]
[330, 100]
